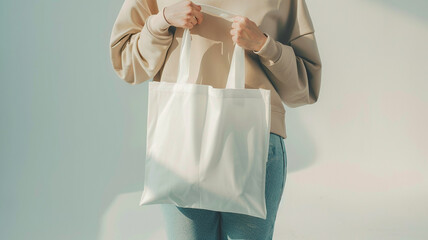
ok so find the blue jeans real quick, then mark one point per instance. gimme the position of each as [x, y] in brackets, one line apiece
[202, 224]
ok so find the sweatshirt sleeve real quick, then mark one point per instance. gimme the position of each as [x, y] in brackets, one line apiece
[139, 41]
[293, 63]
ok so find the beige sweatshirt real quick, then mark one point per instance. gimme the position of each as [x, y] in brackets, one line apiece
[144, 46]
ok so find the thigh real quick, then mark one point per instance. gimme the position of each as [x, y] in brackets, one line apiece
[241, 226]
[190, 223]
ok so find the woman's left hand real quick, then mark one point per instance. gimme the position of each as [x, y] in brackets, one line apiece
[246, 34]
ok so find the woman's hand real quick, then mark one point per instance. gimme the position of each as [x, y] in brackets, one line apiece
[246, 34]
[184, 14]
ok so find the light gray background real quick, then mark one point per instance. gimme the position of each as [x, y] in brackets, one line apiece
[73, 133]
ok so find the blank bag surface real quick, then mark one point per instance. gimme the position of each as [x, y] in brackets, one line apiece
[207, 147]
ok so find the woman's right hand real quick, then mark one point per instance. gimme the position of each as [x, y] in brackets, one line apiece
[184, 14]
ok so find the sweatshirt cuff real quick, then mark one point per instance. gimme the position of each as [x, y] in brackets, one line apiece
[270, 51]
[157, 24]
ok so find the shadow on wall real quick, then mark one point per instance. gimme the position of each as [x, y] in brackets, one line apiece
[299, 144]
[125, 219]
[417, 8]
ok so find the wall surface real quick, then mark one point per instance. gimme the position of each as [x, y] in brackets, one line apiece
[73, 134]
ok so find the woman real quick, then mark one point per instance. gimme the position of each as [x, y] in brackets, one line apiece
[281, 55]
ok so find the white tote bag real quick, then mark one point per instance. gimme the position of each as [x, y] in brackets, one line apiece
[207, 147]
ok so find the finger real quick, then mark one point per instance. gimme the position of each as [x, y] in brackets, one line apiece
[232, 32]
[198, 15]
[236, 18]
[188, 25]
[190, 22]
[195, 6]
[235, 39]
[193, 20]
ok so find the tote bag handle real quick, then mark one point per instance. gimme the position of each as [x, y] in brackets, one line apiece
[236, 76]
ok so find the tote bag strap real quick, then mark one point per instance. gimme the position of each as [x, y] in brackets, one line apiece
[236, 76]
